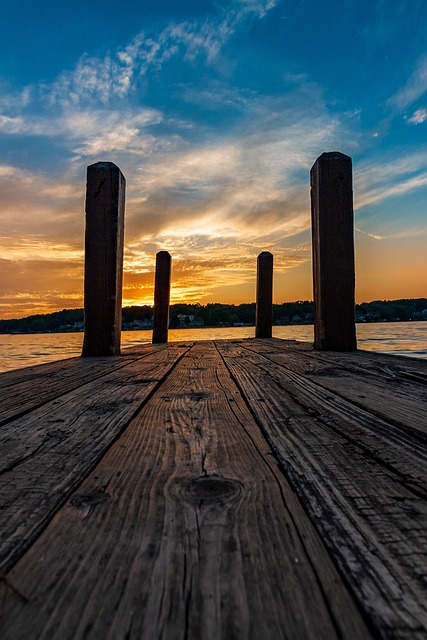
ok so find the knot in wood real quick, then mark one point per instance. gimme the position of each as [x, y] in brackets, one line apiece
[91, 499]
[211, 490]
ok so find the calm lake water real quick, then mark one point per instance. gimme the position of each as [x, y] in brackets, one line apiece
[401, 338]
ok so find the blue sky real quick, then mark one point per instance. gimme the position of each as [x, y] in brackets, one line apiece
[215, 112]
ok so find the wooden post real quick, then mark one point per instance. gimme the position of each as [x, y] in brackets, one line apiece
[264, 295]
[162, 287]
[333, 253]
[105, 205]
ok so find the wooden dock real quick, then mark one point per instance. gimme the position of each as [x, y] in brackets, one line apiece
[215, 490]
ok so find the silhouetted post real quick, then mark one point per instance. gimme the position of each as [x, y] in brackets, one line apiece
[333, 253]
[105, 206]
[264, 295]
[162, 285]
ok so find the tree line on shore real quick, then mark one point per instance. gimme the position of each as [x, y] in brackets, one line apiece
[217, 314]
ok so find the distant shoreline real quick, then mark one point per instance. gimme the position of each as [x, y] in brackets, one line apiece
[398, 338]
[216, 315]
[194, 328]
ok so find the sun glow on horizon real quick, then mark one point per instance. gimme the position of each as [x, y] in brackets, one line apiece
[215, 113]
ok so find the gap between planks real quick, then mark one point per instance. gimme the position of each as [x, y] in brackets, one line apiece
[186, 528]
[388, 386]
[24, 390]
[370, 511]
[48, 452]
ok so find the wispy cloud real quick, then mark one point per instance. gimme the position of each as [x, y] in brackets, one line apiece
[419, 116]
[382, 178]
[217, 166]
[409, 233]
[121, 72]
[197, 273]
[375, 236]
[379, 185]
[92, 105]
[373, 196]
[415, 87]
[12, 125]
[27, 286]
[206, 202]
[35, 206]
[251, 183]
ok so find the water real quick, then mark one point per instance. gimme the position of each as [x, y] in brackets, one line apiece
[401, 338]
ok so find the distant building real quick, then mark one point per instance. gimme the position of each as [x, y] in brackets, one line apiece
[137, 325]
[188, 320]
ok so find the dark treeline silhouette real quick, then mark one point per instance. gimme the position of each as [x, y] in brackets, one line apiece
[217, 315]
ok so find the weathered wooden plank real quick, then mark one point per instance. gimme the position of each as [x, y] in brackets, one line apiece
[24, 390]
[392, 444]
[394, 389]
[47, 453]
[185, 529]
[395, 445]
[24, 374]
[371, 516]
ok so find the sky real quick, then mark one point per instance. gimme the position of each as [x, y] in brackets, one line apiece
[215, 111]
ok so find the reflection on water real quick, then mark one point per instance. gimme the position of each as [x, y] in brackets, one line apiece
[401, 338]
[398, 338]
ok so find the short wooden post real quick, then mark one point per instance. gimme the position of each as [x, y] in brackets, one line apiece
[264, 296]
[333, 253]
[105, 206]
[162, 285]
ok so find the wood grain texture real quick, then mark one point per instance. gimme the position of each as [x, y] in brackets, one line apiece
[29, 388]
[47, 453]
[389, 387]
[362, 482]
[186, 529]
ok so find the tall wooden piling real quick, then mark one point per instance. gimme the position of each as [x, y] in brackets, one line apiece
[105, 205]
[264, 296]
[333, 253]
[162, 285]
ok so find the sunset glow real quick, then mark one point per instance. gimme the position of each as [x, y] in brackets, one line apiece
[214, 112]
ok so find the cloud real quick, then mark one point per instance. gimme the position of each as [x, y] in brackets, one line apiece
[373, 196]
[387, 178]
[97, 79]
[36, 206]
[419, 116]
[197, 272]
[252, 183]
[414, 88]
[14, 173]
[12, 125]
[39, 286]
[375, 236]
[118, 74]
[91, 132]
[410, 233]
[378, 179]
[95, 132]
[390, 166]
[214, 191]
[202, 199]
[213, 196]
[22, 125]
[90, 105]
